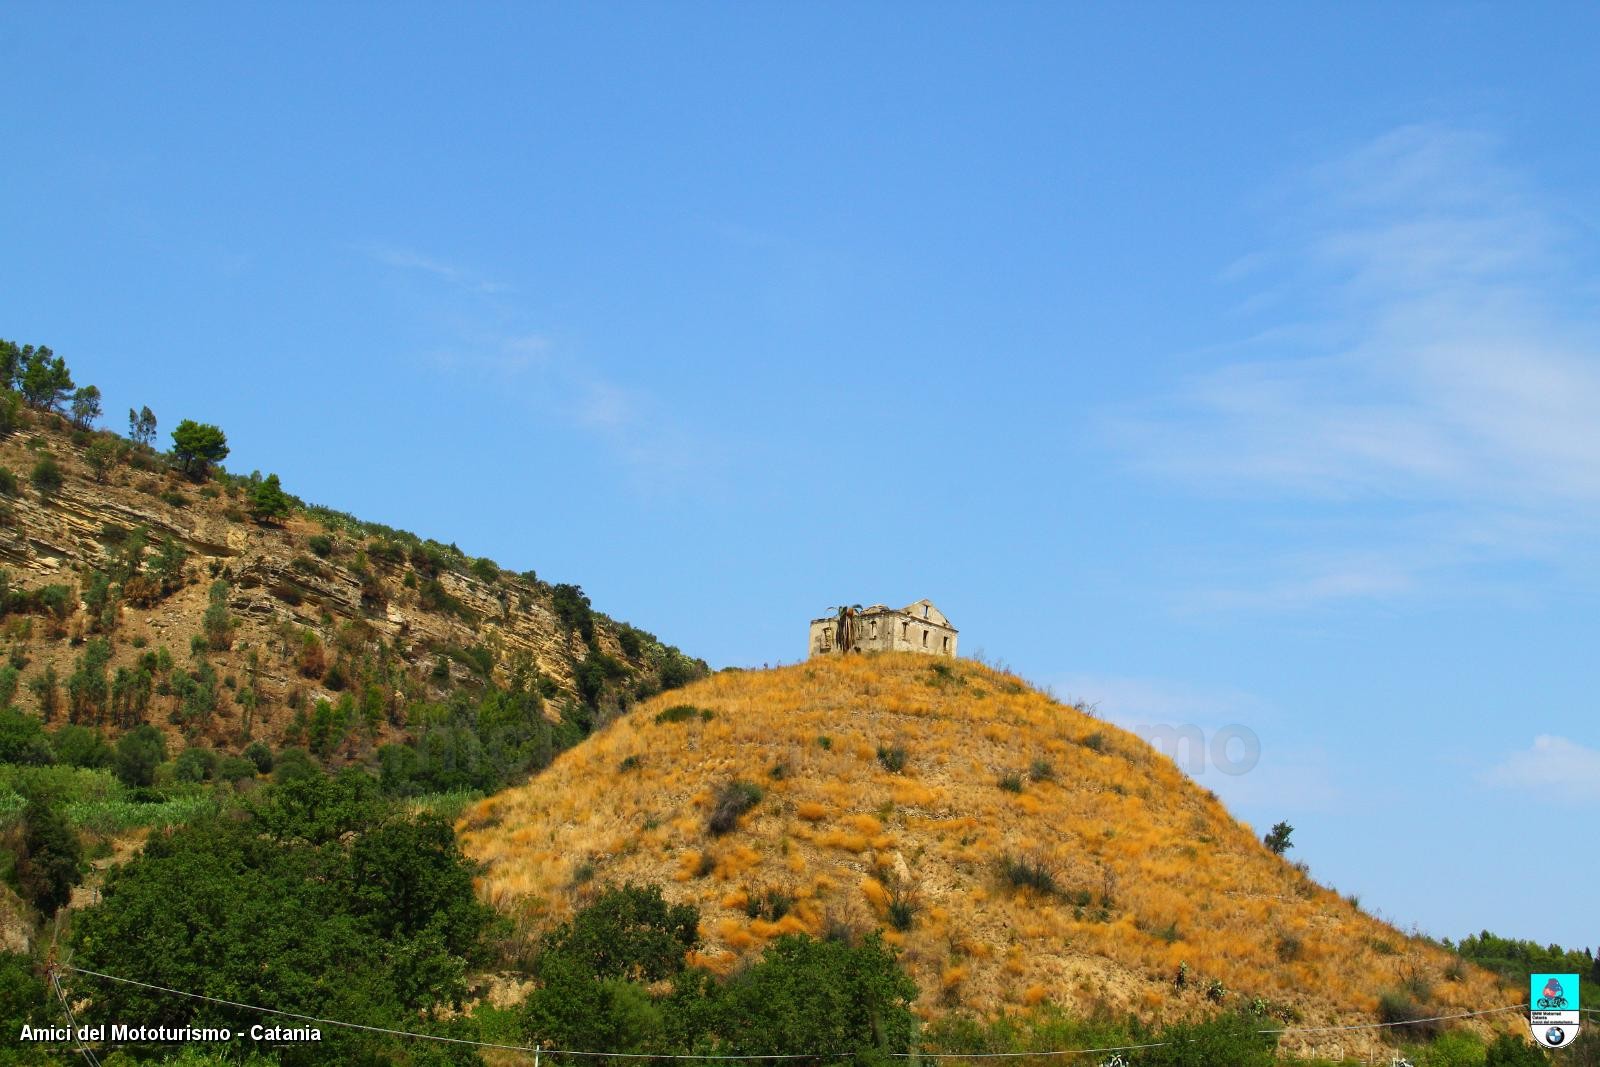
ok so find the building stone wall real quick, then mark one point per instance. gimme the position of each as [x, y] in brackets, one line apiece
[919, 627]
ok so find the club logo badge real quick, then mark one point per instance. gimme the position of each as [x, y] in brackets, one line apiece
[1553, 1008]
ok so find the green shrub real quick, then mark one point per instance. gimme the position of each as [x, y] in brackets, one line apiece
[8, 482]
[50, 862]
[321, 544]
[1510, 1050]
[259, 754]
[684, 713]
[1230, 1039]
[23, 739]
[433, 596]
[1011, 782]
[195, 764]
[1400, 1006]
[1025, 872]
[893, 757]
[386, 552]
[902, 907]
[1456, 1048]
[81, 746]
[1041, 770]
[46, 476]
[851, 999]
[235, 769]
[733, 800]
[139, 752]
[769, 904]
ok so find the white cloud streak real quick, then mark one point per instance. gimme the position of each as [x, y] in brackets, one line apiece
[1448, 362]
[1552, 767]
[652, 445]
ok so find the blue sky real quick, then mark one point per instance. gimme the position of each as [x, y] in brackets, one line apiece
[1211, 363]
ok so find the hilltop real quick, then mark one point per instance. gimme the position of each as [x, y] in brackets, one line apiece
[1017, 851]
[139, 586]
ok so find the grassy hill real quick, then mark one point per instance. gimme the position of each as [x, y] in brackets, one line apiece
[1017, 850]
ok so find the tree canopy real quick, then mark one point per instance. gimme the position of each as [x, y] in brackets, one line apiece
[199, 442]
[316, 900]
[268, 501]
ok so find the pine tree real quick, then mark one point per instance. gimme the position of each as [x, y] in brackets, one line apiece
[268, 501]
[142, 426]
[199, 441]
[85, 406]
[45, 380]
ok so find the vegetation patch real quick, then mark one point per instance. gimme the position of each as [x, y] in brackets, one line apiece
[1027, 872]
[893, 757]
[684, 713]
[732, 800]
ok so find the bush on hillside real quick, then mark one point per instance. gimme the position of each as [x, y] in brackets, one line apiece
[733, 800]
[139, 752]
[50, 861]
[893, 757]
[684, 713]
[1027, 872]
[260, 755]
[47, 476]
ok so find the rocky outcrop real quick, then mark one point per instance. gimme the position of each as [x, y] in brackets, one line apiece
[301, 595]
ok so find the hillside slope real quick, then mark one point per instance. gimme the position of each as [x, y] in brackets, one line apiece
[132, 592]
[1023, 852]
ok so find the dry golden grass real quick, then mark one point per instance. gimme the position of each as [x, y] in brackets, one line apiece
[1151, 870]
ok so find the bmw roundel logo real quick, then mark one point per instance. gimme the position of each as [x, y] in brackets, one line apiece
[1554, 1036]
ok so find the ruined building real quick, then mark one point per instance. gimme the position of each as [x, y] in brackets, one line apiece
[918, 627]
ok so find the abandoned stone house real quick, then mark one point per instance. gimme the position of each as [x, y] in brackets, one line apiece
[918, 627]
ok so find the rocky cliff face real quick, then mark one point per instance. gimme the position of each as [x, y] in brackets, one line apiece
[122, 558]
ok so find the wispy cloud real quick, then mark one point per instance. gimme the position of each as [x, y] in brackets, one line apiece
[507, 357]
[1443, 358]
[409, 259]
[482, 335]
[1551, 767]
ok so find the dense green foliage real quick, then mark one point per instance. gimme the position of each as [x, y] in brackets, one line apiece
[268, 501]
[616, 978]
[22, 1001]
[319, 899]
[630, 933]
[139, 752]
[1514, 960]
[50, 861]
[199, 443]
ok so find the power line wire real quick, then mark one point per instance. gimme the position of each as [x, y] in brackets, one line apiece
[716, 1057]
[83, 1047]
[1378, 1026]
[431, 1037]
